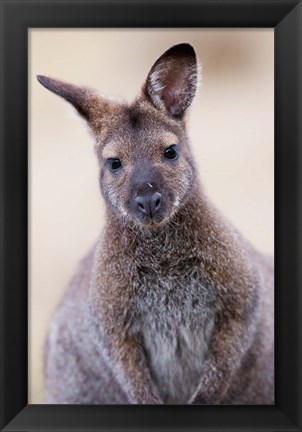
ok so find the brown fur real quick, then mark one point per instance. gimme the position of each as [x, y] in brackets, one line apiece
[171, 305]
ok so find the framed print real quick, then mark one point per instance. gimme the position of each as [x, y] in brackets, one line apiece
[34, 35]
[236, 91]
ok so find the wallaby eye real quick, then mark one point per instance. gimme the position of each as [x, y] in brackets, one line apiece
[171, 152]
[114, 164]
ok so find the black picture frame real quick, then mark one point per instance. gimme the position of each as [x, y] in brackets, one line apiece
[16, 18]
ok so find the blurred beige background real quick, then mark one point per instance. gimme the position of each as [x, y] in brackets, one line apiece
[230, 125]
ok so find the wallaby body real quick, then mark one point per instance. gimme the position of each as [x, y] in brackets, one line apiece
[171, 305]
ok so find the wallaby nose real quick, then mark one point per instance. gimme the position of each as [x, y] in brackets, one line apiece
[149, 204]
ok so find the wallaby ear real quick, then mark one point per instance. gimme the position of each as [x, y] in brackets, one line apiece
[172, 80]
[81, 98]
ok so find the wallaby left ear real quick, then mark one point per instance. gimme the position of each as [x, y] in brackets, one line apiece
[83, 99]
[172, 81]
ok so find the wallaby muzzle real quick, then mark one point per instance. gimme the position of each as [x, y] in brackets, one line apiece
[149, 199]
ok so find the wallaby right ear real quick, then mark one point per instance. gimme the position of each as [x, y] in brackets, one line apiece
[83, 99]
[172, 81]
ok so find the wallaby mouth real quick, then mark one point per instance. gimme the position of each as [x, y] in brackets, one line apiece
[149, 209]
[149, 204]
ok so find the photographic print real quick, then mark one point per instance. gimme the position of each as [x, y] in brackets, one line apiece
[151, 216]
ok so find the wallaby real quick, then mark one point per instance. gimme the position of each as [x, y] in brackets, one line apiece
[172, 305]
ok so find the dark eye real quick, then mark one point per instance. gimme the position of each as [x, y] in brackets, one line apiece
[114, 164]
[171, 152]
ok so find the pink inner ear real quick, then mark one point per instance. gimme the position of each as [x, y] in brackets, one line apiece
[173, 93]
[170, 101]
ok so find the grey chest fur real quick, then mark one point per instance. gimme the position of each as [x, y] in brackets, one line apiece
[175, 323]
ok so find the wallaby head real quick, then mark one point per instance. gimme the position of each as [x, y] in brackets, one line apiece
[146, 168]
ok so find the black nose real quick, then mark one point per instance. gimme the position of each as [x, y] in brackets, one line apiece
[149, 204]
